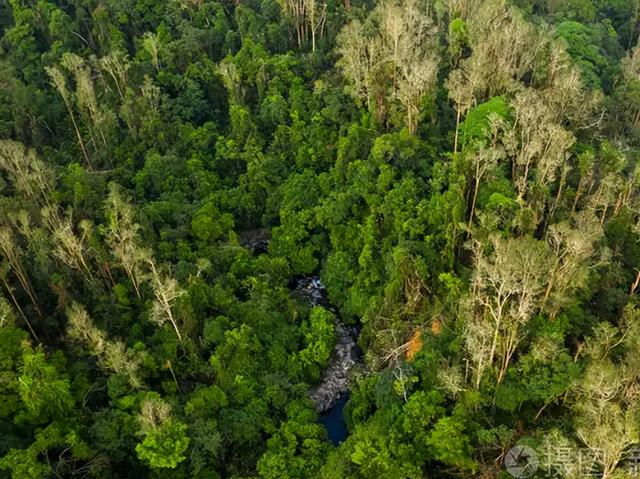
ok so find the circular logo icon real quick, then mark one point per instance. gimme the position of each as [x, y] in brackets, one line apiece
[521, 462]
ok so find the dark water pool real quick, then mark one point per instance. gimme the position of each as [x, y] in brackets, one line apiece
[333, 421]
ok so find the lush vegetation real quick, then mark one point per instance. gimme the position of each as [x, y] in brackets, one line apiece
[462, 174]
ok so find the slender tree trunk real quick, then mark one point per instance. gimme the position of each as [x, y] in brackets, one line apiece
[17, 305]
[635, 283]
[563, 180]
[80, 142]
[107, 270]
[134, 281]
[523, 188]
[552, 275]
[577, 197]
[604, 215]
[298, 27]
[410, 121]
[473, 201]
[23, 279]
[509, 349]
[455, 140]
[479, 371]
[175, 379]
[173, 322]
[120, 94]
[494, 343]
[312, 21]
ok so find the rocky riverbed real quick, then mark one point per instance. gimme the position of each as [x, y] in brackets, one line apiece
[346, 354]
[256, 240]
[334, 386]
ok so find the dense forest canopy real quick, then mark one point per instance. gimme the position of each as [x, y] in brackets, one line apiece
[462, 175]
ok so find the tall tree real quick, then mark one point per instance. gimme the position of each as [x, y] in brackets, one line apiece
[166, 291]
[164, 438]
[122, 236]
[29, 175]
[111, 355]
[607, 398]
[396, 61]
[505, 295]
[67, 246]
[60, 83]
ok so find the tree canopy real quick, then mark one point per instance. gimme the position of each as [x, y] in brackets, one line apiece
[461, 176]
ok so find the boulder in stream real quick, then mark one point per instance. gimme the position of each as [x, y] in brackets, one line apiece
[346, 354]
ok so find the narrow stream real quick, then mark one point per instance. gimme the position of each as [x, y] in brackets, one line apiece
[332, 393]
[333, 421]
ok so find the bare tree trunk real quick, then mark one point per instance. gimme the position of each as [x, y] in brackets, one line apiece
[312, 21]
[173, 323]
[75, 126]
[175, 379]
[455, 140]
[23, 279]
[635, 283]
[17, 305]
[473, 202]
[509, 349]
[557, 200]
[494, 343]
[604, 215]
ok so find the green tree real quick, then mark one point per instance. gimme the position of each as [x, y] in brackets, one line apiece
[164, 439]
[44, 389]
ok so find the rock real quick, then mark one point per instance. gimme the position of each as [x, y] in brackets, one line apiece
[257, 240]
[335, 379]
[312, 290]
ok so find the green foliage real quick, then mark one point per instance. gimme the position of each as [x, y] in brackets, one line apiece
[493, 284]
[11, 338]
[296, 450]
[319, 339]
[29, 463]
[450, 442]
[44, 389]
[458, 37]
[208, 224]
[476, 124]
[585, 46]
[165, 446]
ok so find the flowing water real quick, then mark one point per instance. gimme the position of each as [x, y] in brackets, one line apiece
[333, 421]
[332, 393]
